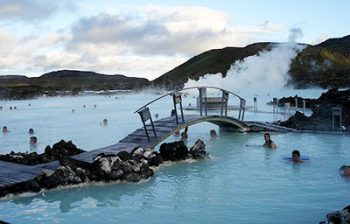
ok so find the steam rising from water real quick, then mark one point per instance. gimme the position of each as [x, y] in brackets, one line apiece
[266, 72]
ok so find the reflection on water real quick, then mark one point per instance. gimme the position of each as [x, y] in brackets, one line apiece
[105, 196]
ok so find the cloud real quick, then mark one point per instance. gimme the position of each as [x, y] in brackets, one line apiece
[8, 41]
[29, 10]
[135, 41]
[161, 30]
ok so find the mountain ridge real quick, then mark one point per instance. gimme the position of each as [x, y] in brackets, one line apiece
[74, 81]
[325, 65]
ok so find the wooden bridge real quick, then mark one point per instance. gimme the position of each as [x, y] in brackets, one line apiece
[154, 132]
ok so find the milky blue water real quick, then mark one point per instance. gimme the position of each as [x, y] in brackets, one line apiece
[240, 184]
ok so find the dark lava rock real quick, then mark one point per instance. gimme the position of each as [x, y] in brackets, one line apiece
[111, 167]
[338, 217]
[321, 118]
[198, 150]
[24, 158]
[131, 167]
[124, 155]
[62, 148]
[174, 151]
[64, 175]
[153, 158]
[58, 150]
[2, 222]
[296, 121]
[309, 103]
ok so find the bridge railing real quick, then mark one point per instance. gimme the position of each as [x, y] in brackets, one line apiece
[204, 102]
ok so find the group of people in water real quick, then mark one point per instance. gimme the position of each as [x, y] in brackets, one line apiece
[33, 140]
[296, 158]
[270, 144]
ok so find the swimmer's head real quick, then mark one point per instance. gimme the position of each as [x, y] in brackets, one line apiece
[4, 129]
[33, 140]
[296, 156]
[213, 133]
[267, 136]
[344, 170]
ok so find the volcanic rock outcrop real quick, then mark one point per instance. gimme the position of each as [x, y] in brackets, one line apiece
[338, 217]
[123, 166]
[321, 118]
[61, 148]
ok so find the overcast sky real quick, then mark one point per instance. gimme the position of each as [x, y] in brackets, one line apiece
[148, 38]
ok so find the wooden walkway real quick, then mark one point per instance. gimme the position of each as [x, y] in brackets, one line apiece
[11, 173]
[163, 127]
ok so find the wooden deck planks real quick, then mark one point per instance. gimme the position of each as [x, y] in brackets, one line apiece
[112, 149]
[11, 173]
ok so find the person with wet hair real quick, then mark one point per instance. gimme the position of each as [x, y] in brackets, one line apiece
[213, 133]
[4, 129]
[296, 157]
[268, 142]
[344, 170]
[33, 140]
[31, 131]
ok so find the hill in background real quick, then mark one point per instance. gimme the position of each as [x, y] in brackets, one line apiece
[22, 87]
[324, 65]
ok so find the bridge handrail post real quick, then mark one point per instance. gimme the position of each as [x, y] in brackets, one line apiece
[176, 118]
[224, 102]
[205, 96]
[145, 115]
[206, 103]
[177, 99]
[182, 112]
[241, 109]
[200, 101]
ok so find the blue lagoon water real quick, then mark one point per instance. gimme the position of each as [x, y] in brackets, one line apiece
[240, 184]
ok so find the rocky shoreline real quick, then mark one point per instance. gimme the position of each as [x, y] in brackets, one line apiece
[130, 167]
[321, 118]
[338, 217]
[58, 150]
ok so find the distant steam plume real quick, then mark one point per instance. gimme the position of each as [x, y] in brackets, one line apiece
[295, 34]
[266, 72]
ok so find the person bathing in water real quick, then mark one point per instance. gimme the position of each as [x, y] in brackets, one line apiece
[184, 135]
[296, 157]
[344, 170]
[268, 142]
